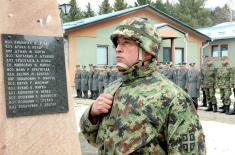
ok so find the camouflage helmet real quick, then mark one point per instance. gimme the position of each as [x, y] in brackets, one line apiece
[141, 30]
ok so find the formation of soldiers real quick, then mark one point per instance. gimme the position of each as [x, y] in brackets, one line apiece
[207, 79]
[90, 83]
[193, 80]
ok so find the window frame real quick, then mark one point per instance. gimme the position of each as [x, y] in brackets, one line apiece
[107, 56]
[220, 53]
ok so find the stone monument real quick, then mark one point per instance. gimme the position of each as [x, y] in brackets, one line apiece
[36, 110]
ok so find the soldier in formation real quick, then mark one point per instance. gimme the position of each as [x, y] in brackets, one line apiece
[181, 76]
[90, 80]
[143, 113]
[208, 82]
[95, 81]
[101, 80]
[77, 82]
[106, 76]
[84, 82]
[224, 81]
[112, 74]
[204, 98]
[193, 83]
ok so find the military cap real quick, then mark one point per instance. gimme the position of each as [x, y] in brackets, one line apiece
[224, 58]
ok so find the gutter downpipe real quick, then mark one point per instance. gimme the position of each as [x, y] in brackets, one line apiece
[202, 49]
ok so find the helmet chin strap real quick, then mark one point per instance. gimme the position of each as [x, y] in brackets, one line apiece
[122, 67]
[140, 54]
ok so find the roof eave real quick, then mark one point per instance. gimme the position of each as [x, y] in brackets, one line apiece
[182, 23]
[71, 29]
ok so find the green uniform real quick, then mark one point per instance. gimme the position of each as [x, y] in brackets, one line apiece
[224, 81]
[208, 82]
[149, 115]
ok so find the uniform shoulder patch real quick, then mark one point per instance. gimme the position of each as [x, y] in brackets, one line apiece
[188, 142]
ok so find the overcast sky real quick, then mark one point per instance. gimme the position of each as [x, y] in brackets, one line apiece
[95, 3]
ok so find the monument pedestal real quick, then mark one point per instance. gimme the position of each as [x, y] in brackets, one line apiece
[44, 134]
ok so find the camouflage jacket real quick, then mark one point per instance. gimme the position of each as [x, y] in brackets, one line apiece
[149, 115]
[208, 76]
[224, 76]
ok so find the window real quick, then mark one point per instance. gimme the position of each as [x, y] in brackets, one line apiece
[224, 50]
[219, 50]
[114, 56]
[102, 55]
[179, 55]
[166, 54]
[215, 51]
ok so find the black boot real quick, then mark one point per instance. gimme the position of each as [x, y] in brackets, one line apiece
[204, 101]
[227, 109]
[214, 107]
[209, 108]
[222, 107]
[223, 110]
[77, 94]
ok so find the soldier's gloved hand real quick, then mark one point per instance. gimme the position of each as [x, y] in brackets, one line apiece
[101, 105]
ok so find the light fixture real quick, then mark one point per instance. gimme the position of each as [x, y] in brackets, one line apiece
[64, 8]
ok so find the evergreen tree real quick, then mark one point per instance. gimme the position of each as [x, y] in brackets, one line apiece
[89, 12]
[193, 13]
[143, 2]
[160, 5]
[119, 5]
[75, 12]
[221, 14]
[105, 7]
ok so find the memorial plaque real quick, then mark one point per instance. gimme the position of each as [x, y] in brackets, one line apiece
[34, 75]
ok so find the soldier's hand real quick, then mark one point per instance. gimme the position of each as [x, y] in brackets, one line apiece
[101, 105]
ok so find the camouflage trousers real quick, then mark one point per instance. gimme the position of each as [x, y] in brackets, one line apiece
[225, 94]
[210, 94]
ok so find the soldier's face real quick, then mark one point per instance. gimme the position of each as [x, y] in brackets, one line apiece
[209, 62]
[224, 61]
[126, 51]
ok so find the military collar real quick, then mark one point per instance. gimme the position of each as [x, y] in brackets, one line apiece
[138, 71]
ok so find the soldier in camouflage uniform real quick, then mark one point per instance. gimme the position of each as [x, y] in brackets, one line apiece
[208, 82]
[224, 81]
[142, 113]
[77, 82]
[84, 82]
[90, 80]
[193, 83]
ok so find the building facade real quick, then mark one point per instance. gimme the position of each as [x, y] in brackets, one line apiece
[222, 42]
[88, 40]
